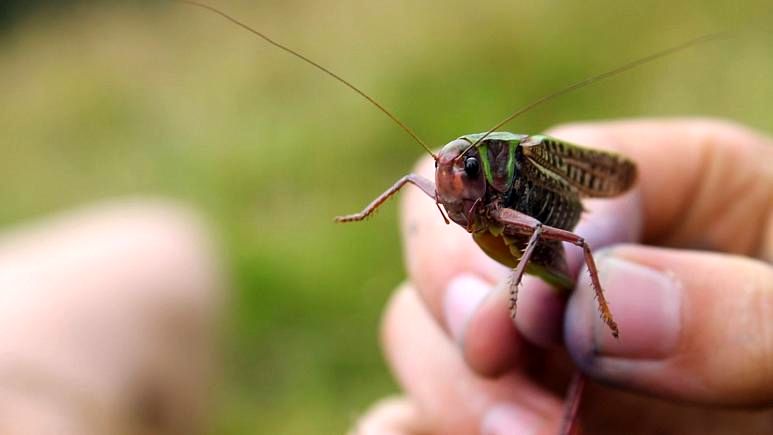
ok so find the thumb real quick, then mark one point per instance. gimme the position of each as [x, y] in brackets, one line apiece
[694, 326]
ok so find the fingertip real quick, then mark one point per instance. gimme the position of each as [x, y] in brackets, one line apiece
[540, 313]
[392, 415]
[645, 303]
[579, 325]
[684, 318]
[491, 344]
[507, 419]
[452, 398]
[462, 298]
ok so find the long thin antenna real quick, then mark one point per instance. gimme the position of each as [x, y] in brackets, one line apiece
[598, 77]
[315, 65]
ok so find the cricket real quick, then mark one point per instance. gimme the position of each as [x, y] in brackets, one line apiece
[518, 195]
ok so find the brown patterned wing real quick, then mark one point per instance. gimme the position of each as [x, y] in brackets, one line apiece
[592, 173]
[546, 196]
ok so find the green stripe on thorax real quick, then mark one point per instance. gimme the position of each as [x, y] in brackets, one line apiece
[512, 145]
[483, 151]
[491, 170]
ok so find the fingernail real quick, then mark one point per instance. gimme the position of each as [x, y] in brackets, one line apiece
[507, 419]
[463, 295]
[645, 302]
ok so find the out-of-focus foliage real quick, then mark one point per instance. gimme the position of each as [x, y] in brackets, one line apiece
[104, 99]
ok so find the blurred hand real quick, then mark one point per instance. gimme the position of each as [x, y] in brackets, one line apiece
[106, 322]
[695, 353]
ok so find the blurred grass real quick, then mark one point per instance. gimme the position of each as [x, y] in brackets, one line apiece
[106, 99]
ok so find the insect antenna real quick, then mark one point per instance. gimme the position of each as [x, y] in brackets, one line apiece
[593, 79]
[315, 65]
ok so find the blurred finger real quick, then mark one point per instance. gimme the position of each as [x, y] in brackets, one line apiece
[392, 416]
[106, 321]
[454, 399]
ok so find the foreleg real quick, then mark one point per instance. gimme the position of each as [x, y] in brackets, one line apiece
[422, 183]
[520, 268]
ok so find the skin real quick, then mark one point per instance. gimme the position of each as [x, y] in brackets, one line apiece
[685, 260]
[107, 321]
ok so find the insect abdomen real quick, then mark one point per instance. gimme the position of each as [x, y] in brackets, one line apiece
[548, 261]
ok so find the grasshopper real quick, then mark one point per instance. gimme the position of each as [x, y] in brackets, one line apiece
[518, 195]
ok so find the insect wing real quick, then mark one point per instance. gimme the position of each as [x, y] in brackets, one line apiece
[592, 173]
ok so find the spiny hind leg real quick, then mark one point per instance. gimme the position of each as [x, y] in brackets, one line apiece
[566, 236]
[520, 268]
[422, 183]
[524, 224]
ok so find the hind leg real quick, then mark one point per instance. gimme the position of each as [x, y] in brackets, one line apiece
[527, 225]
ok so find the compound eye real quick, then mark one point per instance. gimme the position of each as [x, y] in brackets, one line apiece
[471, 167]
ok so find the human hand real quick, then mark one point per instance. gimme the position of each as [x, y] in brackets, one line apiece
[107, 321]
[696, 326]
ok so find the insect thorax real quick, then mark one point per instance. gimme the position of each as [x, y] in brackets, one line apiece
[516, 185]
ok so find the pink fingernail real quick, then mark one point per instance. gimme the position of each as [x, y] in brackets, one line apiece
[507, 419]
[463, 295]
[647, 306]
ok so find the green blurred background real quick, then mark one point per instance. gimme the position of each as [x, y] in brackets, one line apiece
[105, 99]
